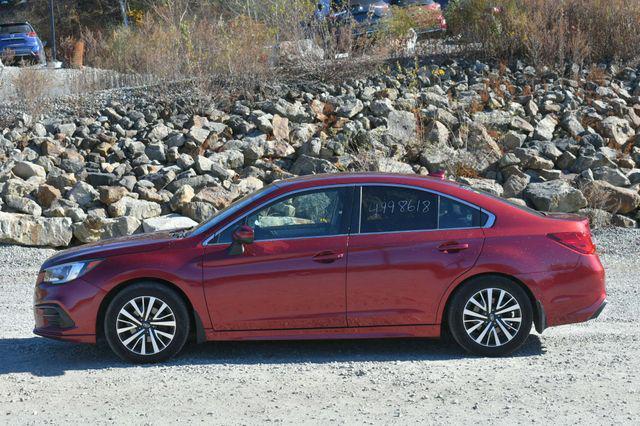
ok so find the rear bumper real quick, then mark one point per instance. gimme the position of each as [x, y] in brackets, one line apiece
[570, 296]
[597, 313]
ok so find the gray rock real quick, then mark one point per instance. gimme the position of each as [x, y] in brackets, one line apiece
[613, 176]
[555, 196]
[437, 133]
[388, 165]
[306, 165]
[198, 211]
[545, 128]
[139, 209]
[602, 195]
[159, 132]
[83, 194]
[167, 223]
[183, 195]
[349, 106]
[35, 231]
[515, 185]
[23, 205]
[95, 228]
[617, 129]
[155, 152]
[402, 126]
[381, 107]
[486, 185]
[512, 140]
[25, 170]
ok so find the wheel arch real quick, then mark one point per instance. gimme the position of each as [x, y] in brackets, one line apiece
[538, 310]
[197, 332]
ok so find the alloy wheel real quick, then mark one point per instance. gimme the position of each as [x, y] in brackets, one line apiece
[146, 325]
[492, 317]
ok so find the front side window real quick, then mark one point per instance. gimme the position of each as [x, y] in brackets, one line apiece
[392, 209]
[303, 215]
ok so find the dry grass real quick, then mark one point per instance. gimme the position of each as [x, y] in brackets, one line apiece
[550, 32]
[465, 170]
[31, 87]
[231, 44]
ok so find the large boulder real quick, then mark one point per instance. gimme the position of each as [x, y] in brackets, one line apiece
[555, 196]
[25, 170]
[83, 194]
[35, 231]
[306, 165]
[602, 195]
[140, 209]
[402, 126]
[389, 165]
[618, 130]
[486, 185]
[95, 228]
[23, 205]
[167, 223]
[482, 148]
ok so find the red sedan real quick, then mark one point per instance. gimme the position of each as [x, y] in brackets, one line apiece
[328, 257]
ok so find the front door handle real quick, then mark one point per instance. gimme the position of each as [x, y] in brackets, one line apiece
[327, 257]
[453, 247]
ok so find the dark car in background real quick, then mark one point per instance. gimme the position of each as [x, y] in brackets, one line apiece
[367, 16]
[19, 42]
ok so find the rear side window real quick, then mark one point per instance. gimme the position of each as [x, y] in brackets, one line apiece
[391, 209]
[454, 214]
[15, 29]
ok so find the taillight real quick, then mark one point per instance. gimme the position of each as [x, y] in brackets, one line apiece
[577, 241]
[32, 34]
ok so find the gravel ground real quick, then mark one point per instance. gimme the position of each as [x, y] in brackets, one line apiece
[585, 373]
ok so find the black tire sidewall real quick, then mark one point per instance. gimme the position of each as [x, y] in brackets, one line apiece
[162, 292]
[459, 301]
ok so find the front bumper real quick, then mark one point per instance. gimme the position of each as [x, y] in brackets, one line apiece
[67, 311]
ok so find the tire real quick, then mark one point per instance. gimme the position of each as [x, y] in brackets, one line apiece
[146, 322]
[500, 331]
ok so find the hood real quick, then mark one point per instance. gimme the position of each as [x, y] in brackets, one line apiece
[113, 247]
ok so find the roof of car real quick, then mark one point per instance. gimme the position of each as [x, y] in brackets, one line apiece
[360, 177]
[7, 24]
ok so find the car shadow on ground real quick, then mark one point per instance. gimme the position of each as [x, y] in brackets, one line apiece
[44, 357]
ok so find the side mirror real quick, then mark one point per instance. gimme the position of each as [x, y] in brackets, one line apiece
[241, 236]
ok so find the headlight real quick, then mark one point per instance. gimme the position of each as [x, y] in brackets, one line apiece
[61, 274]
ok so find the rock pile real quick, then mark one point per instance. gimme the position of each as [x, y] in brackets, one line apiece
[139, 165]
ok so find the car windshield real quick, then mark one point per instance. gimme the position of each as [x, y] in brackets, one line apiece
[15, 29]
[232, 209]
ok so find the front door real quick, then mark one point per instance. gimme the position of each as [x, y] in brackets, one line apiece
[293, 275]
[411, 246]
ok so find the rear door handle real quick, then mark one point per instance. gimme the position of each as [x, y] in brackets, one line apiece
[453, 247]
[327, 257]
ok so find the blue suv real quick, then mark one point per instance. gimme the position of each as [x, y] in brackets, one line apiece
[20, 42]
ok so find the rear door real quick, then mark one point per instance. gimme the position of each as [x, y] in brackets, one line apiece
[411, 245]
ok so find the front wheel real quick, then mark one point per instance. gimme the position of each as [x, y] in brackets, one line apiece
[490, 316]
[146, 322]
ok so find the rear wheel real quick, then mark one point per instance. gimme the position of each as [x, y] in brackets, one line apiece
[146, 323]
[490, 316]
